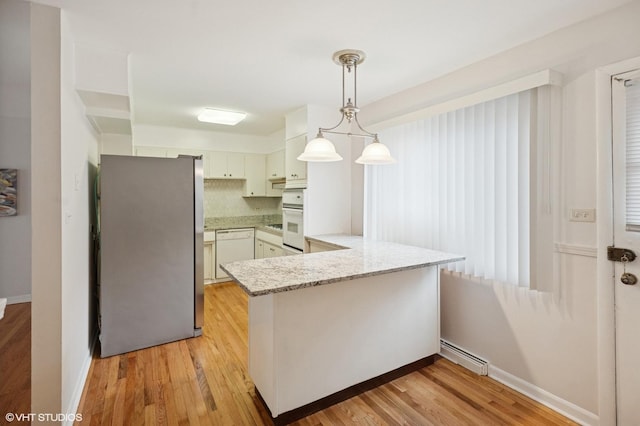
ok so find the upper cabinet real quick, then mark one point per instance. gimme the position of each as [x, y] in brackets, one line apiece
[206, 157]
[255, 185]
[150, 151]
[263, 174]
[227, 165]
[275, 165]
[296, 170]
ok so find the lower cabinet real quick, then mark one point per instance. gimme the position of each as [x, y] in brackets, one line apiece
[315, 246]
[268, 245]
[209, 260]
[270, 250]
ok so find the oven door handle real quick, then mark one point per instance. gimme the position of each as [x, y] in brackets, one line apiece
[297, 212]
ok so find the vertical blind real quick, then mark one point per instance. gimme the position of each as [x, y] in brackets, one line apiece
[461, 184]
[632, 119]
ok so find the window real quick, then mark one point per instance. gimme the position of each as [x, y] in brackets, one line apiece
[632, 134]
[463, 184]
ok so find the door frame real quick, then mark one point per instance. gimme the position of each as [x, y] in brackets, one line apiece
[604, 223]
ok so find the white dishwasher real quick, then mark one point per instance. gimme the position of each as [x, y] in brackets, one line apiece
[232, 245]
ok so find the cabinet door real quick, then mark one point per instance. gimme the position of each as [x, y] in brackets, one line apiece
[206, 157]
[150, 151]
[255, 185]
[207, 254]
[295, 169]
[271, 250]
[235, 165]
[259, 254]
[218, 165]
[275, 165]
[175, 152]
[206, 164]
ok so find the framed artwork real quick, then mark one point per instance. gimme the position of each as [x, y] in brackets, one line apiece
[8, 192]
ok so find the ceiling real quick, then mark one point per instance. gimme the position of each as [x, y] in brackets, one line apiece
[269, 57]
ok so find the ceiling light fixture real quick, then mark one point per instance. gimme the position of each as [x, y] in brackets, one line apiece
[322, 149]
[218, 116]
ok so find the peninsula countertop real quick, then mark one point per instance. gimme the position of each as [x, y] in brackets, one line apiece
[354, 257]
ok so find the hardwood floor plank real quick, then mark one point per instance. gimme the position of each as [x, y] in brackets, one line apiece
[204, 381]
[15, 359]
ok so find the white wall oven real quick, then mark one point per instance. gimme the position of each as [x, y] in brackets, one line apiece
[292, 221]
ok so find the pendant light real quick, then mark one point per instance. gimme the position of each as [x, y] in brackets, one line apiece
[322, 149]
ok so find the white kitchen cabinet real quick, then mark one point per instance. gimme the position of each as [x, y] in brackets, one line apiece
[206, 164]
[268, 245]
[227, 165]
[256, 184]
[271, 250]
[150, 151]
[175, 152]
[275, 173]
[315, 246]
[259, 254]
[209, 255]
[296, 170]
[275, 165]
[235, 164]
[146, 151]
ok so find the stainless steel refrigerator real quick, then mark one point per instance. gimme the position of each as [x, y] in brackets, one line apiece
[151, 279]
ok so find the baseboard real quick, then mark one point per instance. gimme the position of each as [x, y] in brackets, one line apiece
[23, 298]
[558, 404]
[82, 379]
[462, 357]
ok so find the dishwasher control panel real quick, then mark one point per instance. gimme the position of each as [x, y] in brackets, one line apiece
[234, 234]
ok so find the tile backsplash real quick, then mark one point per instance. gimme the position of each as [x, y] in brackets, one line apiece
[223, 198]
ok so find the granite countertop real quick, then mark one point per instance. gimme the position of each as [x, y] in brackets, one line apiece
[259, 221]
[359, 258]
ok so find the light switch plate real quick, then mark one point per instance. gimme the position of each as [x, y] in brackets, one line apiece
[582, 215]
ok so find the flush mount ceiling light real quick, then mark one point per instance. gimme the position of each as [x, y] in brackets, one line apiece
[322, 149]
[219, 116]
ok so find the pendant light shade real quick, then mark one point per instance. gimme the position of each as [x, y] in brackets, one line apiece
[320, 149]
[375, 153]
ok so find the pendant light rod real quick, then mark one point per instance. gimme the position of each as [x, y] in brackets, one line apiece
[364, 135]
[349, 59]
[323, 150]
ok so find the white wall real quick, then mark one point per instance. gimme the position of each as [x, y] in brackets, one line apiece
[327, 207]
[79, 159]
[15, 148]
[46, 253]
[175, 137]
[548, 340]
[115, 144]
[64, 157]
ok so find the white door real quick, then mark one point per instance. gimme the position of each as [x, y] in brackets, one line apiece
[626, 181]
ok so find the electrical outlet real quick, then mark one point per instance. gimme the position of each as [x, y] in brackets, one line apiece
[582, 215]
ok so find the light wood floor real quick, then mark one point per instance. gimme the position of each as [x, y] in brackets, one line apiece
[15, 360]
[204, 381]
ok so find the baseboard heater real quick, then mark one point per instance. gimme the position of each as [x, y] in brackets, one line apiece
[460, 356]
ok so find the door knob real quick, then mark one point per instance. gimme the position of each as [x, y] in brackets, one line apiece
[628, 279]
